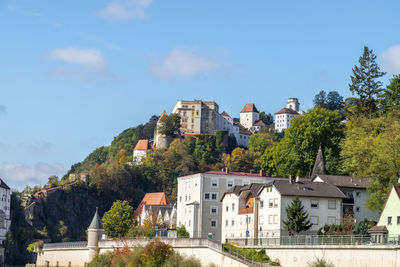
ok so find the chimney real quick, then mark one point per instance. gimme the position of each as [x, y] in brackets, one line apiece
[291, 179]
[297, 179]
[262, 173]
[226, 170]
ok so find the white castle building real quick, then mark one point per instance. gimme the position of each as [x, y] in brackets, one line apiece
[286, 114]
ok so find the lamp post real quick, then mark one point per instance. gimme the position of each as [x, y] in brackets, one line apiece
[247, 228]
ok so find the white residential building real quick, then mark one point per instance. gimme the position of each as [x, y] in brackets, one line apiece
[241, 134]
[198, 199]
[260, 209]
[286, 114]
[5, 204]
[355, 190]
[139, 152]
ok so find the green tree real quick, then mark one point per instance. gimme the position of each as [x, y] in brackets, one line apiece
[297, 219]
[259, 142]
[118, 219]
[332, 101]
[391, 95]
[361, 227]
[320, 100]
[170, 125]
[267, 119]
[295, 154]
[365, 82]
[181, 232]
[52, 181]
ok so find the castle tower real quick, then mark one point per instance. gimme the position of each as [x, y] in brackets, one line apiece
[293, 103]
[249, 115]
[95, 232]
[319, 165]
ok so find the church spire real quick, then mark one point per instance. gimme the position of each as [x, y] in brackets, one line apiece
[319, 165]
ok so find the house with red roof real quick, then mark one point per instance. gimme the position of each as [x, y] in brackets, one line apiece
[139, 152]
[157, 207]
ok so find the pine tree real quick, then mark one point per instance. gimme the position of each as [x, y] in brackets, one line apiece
[365, 82]
[297, 219]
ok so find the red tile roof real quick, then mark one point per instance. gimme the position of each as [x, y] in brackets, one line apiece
[225, 114]
[142, 144]
[287, 111]
[158, 198]
[243, 130]
[164, 114]
[259, 123]
[235, 173]
[249, 108]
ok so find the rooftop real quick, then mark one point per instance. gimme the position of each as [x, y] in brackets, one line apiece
[344, 181]
[307, 189]
[287, 111]
[142, 144]
[164, 114]
[249, 108]
[4, 185]
[225, 114]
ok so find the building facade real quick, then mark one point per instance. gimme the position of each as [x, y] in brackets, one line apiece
[198, 199]
[258, 211]
[140, 150]
[286, 114]
[197, 116]
[5, 205]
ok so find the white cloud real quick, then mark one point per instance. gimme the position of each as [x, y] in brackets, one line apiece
[390, 59]
[127, 9]
[18, 175]
[3, 109]
[182, 63]
[90, 58]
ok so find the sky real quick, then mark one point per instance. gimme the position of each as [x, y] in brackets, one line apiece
[74, 74]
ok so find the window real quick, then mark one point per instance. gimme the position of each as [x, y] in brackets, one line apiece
[275, 219]
[261, 204]
[214, 196]
[229, 183]
[398, 219]
[270, 219]
[314, 204]
[214, 210]
[189, 197]
[213, 223]
[214, 183]
[226, 223]
[233, 222]
[227, 208]
[357, 194]
[180, 224]
[185, 197]
[189, 222]
[271, 203]
[357, 209]
[332, 204]
[331, 220]
[206, 195]
[233, 206]
[275, 203]
[314, 220]
[246, 182]
[261, 219]
[390, 220]
[180, 199]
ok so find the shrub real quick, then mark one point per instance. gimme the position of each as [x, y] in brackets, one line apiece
[181, 232]
[257, 255]
[320, 263]
[177, 260]
[101, 260]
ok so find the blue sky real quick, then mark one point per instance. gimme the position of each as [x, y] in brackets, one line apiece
[74, 74]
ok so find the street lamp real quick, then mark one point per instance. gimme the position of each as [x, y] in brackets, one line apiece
[247, 228]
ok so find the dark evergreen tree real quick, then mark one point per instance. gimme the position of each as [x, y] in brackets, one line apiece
[335, 101]
[321, 100]
[365, 83]
[391, 95]
[297, 219]
[267, 119]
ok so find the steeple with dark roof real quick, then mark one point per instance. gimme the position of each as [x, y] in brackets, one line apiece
[96, 222]
[319, 165]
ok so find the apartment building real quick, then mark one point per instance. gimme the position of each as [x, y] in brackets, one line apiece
[197, 116]
[198, 199]
[258, 210]
[5, 205]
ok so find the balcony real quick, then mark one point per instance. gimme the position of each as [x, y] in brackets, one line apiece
[246, 210]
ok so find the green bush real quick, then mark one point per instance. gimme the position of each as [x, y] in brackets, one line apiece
[257, 255]
[181, 232]
[177, 260]
[101, 260]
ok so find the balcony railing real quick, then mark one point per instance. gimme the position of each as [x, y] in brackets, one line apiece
[246, 210]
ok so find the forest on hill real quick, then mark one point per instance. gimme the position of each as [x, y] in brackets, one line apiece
[360, 136]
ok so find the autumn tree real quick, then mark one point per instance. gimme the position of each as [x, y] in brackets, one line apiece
[118, 219]
[170, 125]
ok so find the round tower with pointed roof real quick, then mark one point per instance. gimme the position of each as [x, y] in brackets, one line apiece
[95, 231]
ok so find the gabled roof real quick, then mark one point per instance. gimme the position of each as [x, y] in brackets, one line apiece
[249, 108]
[158, 198]
[142, 144]
[344, 181]
[287, 111]
[4, 185]
[258, 123]
[307, 189]
[254, 188]
[164, 114]
[225, 114]
[233, 190]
